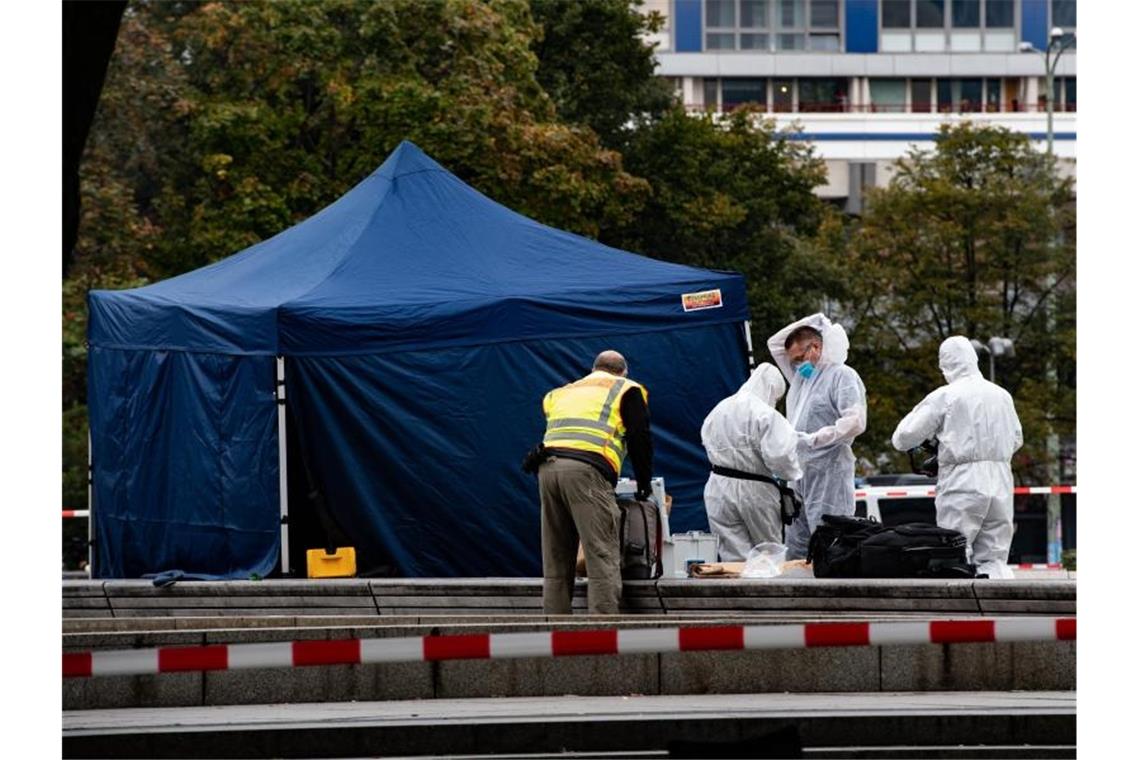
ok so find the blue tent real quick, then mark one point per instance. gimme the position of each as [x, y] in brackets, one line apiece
[418, 324]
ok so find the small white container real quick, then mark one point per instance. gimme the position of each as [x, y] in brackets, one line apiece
[684, 549]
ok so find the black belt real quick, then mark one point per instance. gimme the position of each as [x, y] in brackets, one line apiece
[790, 503]
[728, 472]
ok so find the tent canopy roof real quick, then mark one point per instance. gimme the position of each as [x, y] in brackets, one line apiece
[411, 257]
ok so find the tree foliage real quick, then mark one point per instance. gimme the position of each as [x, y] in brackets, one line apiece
[732, 194]
[974, 238]
[596, 65]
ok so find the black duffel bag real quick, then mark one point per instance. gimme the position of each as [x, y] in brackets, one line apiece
[854, 547]
[915, 550]
[833, 550]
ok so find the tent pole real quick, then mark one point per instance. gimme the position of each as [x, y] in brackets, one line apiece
[748, 339]
[90, 511]
[282, 465]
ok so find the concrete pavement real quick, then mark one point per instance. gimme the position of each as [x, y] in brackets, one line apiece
[575, 724]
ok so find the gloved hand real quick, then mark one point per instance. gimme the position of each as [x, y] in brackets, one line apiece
[643, 494]
[806, 440]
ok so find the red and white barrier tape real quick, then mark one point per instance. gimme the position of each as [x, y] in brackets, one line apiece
[561, 644]
[76, 513]
[1039, 566]
[903, 492]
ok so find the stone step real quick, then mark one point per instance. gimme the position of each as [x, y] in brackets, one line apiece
[523, 596]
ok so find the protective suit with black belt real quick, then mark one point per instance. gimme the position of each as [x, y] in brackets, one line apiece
[827, 406]
[978, 431]
[745, 434]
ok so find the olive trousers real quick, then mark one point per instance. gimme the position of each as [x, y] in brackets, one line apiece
[578, 504]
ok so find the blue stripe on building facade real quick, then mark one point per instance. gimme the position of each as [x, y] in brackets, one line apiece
[687, 23]
[1035, 23]
[862, 28]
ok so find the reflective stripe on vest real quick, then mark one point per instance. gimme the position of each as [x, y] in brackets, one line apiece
[586, 416]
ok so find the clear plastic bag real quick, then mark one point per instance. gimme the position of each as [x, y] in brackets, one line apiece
[764, 560]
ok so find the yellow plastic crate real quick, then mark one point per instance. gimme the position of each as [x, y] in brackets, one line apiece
[339, 565]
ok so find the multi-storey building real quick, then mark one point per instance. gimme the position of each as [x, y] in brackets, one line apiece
[864, 80]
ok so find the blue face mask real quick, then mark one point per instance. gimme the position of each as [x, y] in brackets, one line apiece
[806, 370]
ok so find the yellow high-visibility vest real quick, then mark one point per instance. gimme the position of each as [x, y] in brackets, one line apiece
[586, 415]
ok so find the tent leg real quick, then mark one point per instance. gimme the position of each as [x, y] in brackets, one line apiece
[90, 510]
[748, 340]
[282, 466]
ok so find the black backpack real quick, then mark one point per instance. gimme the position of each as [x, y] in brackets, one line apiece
[640, 535]
[854, 547]
[915, 550]
[833, 549]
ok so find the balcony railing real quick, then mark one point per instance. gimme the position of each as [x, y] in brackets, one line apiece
[963, 106]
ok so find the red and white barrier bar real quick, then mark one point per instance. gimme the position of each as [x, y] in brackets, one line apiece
[1039, 566]
[561, 644]
[76, 513]
[903, 492]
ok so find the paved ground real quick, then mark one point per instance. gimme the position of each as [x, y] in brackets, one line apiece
[581, 726]
[547, 709]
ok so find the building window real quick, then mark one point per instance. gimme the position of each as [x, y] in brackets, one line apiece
[825, 13]
[920, 96]
[896, 14]
[938, 26]
[712, 94]
[802, 95]
[823, 95]
[993, 95]
[765, 25]
[753, 41]
[966, 14]
[720, 13]
[1063, 13]
[790, 42]
[941, 26]
[754, 14]
[961, 95]
[889, 95]
[783, 94]
[791, 14]
[737, 92]
[1064, 94]
[929, 14]
[999, 14]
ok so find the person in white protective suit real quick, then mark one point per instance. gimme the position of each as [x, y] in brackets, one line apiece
[744, 434]
[827, 406]
[977, 430]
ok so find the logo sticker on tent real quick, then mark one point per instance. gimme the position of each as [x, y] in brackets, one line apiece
[706, 299]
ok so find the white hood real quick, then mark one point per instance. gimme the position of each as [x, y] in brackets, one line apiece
[957, 359]
[835, 343]
[766, 383]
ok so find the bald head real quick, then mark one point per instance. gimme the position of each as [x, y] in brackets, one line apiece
[612, 362]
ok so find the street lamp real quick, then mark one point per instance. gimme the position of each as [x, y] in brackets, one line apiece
[1058, 44]
[994, 348]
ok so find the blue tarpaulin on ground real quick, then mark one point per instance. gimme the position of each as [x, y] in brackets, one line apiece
[421, 323]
